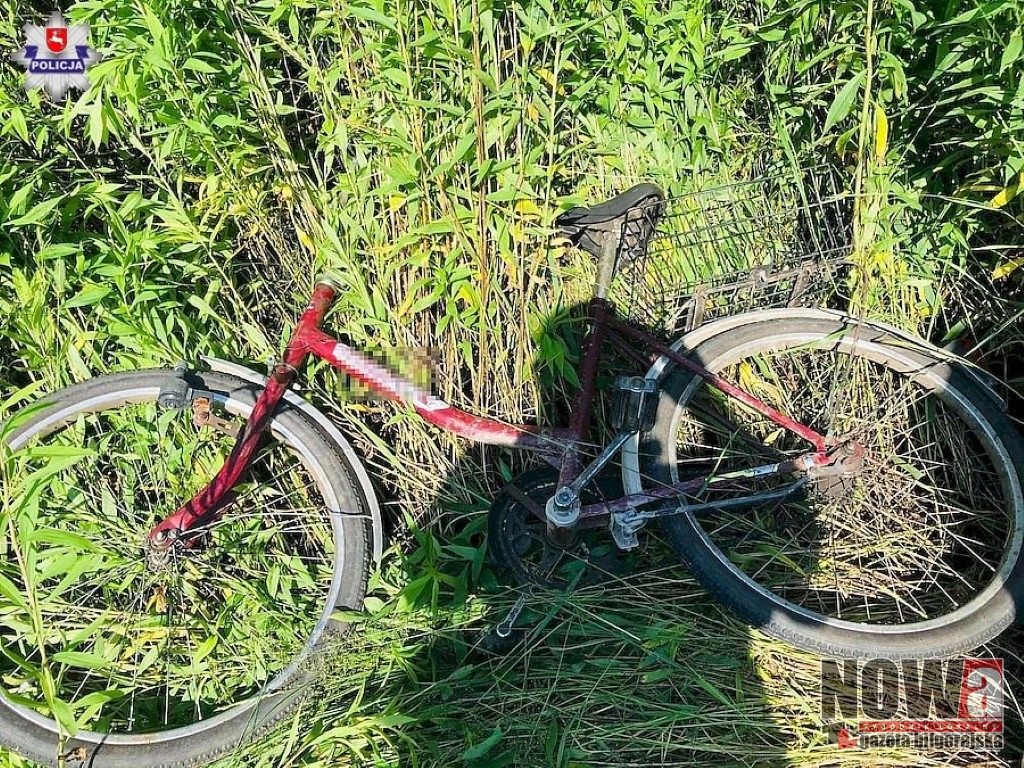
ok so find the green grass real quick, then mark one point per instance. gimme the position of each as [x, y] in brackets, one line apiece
[227, 153]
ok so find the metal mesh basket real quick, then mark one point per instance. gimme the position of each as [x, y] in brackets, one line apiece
[781, 240]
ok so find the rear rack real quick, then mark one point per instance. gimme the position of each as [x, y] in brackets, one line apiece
[780, 240]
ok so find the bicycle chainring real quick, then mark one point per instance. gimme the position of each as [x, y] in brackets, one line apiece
[519, 543]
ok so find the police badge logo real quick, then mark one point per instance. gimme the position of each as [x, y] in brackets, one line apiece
[56, 56]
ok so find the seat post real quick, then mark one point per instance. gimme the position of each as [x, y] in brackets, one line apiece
[606, 264]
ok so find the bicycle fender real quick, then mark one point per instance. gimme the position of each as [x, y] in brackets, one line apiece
[331, 432]
[704, 332]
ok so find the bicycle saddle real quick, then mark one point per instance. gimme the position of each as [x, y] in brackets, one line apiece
[630, 216]
[641, 195]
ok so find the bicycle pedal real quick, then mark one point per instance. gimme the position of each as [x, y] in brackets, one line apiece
[634, 404]
[493, 644]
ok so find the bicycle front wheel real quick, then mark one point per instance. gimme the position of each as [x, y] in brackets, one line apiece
[114, 657]
[915, 556]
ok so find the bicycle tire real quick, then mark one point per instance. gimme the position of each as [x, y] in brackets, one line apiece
[725, 561]
[290, 537]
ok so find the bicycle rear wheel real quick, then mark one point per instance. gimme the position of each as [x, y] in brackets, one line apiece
[111, 657]
[916, 556]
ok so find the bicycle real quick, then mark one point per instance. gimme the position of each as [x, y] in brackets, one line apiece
[791, 455]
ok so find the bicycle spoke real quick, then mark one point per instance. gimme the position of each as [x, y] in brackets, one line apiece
[195, 634]
[898, 531]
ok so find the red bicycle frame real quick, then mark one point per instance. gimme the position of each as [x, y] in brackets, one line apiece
[559, 445]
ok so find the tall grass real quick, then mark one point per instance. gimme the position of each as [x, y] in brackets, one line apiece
[227, 153]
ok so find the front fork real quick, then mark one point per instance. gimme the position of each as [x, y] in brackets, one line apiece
[206, 506]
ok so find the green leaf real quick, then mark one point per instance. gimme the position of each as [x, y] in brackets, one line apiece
[369, 14]
[733, 52]
[1007, 268]
[227, 121]
[58, 452]
[22, 701]
[844, 101]
[657, 675]
[714, 691]
[89, 295]
[198, 65]
[99, 698]
[64, 716]
[12, 593]
[80, 659]
[1007, 193]
[479, 750]
[1011, 52]
[22, 394]
[411, 593]
[19, 198]
[464, 146]
[58, 251]
[205, 649]
[61, 538]
[38, 212]
[771, 35]
[18, 123]
[97, 123]
[8, 651]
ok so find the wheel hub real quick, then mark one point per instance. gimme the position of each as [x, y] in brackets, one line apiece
[158, 550]
[835, 478]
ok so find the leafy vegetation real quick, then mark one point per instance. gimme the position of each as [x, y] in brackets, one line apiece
[228, 153]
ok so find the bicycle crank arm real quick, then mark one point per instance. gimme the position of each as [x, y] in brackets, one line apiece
[568, 495]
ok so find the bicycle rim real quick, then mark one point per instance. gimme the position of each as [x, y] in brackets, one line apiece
[925, 535]
[127, 651]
